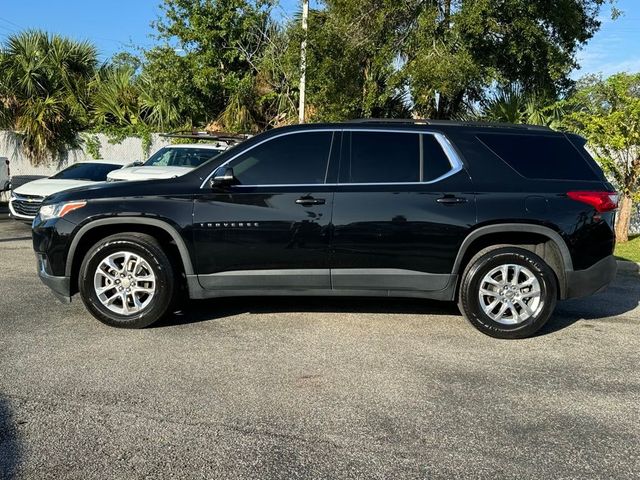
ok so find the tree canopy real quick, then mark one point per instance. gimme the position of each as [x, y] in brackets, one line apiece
[385, 58]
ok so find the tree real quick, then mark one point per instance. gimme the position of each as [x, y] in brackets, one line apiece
[124, 100]
[513, 105]
[204, 61]
[444, 52]
[456, 48]
[44, 90]
[608, 115]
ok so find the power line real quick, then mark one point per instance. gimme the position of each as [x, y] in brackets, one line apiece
[11, 23]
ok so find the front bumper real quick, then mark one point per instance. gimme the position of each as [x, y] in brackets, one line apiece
[60, 286]
[594, 279]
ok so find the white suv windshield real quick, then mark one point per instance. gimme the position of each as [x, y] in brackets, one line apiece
[181, 157]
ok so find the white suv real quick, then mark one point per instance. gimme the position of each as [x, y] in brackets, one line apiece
[171, 161]
[26, 200]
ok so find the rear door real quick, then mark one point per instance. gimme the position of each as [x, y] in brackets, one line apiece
[272, 229]
[402, 208]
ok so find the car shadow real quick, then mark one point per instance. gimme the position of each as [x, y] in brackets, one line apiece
[194, 311]
[622, 296]
[10, 447]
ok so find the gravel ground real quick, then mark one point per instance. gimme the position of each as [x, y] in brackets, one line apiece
[312, 388]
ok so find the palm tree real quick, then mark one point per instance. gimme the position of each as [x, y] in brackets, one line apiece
[122, 100]
[513, 105]
[44, 94]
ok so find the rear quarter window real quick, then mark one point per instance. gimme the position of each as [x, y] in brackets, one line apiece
[540, 156]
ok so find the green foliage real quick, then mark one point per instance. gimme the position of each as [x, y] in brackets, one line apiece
[227, 62]
[352, 49]
[212, 72]
[513, 105]
[463, 46]
[629, 251]
[44, 90]
[92, 145]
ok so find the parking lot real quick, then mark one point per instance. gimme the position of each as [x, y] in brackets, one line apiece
[312, 388]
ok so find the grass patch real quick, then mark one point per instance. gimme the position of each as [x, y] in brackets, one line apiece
[630, 250]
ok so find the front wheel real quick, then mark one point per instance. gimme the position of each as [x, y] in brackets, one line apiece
[126, 280]
[508, 292]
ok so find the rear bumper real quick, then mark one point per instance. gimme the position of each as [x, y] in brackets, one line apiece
[60, 286]
[594, 279]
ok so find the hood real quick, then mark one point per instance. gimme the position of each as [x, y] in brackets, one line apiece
[148, 173]
[48, 186]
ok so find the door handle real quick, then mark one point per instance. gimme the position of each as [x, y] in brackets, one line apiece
[451, 200]
[307, 201]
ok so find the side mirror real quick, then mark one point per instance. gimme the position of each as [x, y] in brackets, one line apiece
[222, 178]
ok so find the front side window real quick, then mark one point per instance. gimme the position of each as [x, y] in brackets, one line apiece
[390, 157]
[295, 159]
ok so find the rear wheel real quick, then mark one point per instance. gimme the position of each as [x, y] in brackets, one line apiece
[508, 292]
[126, 280]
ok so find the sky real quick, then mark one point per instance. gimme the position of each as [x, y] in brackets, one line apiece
[114, 25]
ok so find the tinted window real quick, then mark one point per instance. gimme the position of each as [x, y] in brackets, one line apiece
[95, 172]
[299, 158]
[384, 157]
[540, 156]
[380, 157]
[181, 157]
[436, 163]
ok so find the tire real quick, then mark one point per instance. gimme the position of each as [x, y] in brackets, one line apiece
[486, 271]
[149, 277]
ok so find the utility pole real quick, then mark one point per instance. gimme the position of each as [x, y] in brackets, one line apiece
[303, 60]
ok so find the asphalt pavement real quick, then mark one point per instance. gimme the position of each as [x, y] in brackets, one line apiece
[312, 388]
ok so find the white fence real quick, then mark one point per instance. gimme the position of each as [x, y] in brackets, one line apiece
[129, 150]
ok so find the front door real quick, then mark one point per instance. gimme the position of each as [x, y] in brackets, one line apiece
[271, 229]
[401, 211]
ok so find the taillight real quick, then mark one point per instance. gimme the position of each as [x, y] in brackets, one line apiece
[601, 201]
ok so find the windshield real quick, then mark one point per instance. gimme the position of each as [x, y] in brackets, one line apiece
[181, 157]
[94, 172]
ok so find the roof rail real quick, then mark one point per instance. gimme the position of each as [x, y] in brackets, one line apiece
[458, 123]
[219, 136]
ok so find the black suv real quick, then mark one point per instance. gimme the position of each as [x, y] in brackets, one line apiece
[503, 219]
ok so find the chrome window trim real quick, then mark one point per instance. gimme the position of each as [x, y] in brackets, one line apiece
[445, 144]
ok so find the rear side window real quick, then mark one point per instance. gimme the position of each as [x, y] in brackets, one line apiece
[389, 157]
[540, 156]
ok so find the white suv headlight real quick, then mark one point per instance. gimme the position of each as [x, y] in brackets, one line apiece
[59, 210]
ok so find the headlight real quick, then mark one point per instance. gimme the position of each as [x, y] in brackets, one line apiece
[59, 210]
